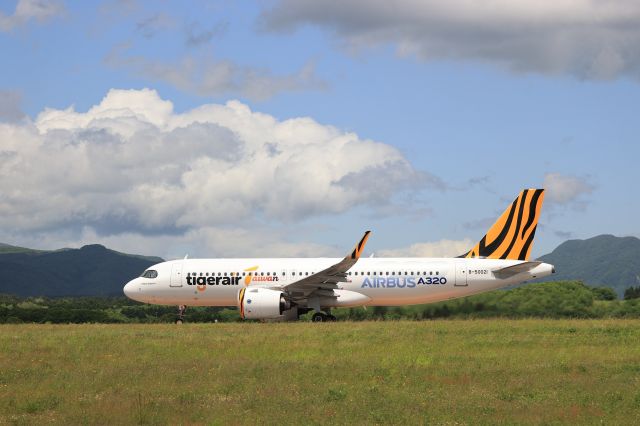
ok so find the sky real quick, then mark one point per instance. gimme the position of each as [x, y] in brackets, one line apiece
[289, 127]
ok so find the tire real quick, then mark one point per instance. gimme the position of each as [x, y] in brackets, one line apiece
[331, 318]
[179, 321]
[318, 317]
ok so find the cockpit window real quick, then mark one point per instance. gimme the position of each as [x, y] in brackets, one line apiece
[149, 273]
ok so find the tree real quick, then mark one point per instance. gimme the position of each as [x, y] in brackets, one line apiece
[632, 293]
[604, 293]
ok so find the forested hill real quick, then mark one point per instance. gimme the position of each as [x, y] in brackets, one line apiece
[92, 270]
[604, 260]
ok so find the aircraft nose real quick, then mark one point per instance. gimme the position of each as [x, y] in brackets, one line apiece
[128, 289]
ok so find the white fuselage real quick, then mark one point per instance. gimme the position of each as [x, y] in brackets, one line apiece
[381, 281]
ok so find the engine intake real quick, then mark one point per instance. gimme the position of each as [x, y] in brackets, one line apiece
[262, 303]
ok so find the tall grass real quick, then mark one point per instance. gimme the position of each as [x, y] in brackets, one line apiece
[451, 372]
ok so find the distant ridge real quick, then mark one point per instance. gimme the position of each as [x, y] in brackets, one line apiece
[605, 260]
[92, 270]
[6, 248]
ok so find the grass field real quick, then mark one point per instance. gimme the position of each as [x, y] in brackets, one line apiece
[431, 372]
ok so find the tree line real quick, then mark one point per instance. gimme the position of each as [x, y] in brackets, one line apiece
[562, 299]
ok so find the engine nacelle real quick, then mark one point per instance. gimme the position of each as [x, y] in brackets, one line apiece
[262, 303]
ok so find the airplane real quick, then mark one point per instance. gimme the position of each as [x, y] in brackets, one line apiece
[284, 289]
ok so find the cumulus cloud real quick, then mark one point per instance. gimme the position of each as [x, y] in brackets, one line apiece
[442, 248]
[207, 76]
[10, 102]
[131, 165]
[207, 241]
[586, 38]
[565, 189]
[28, 10]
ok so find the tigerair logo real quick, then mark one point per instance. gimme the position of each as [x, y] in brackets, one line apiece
[250, 276]
[201, 283]
[253, 277]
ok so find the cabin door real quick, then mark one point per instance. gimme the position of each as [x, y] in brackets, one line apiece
[176, 275]
[461, 273]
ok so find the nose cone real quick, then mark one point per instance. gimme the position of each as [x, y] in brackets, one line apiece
[129, 290]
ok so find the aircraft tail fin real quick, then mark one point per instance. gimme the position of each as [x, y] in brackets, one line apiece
[511, 237]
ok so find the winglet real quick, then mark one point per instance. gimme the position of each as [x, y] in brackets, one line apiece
[359, 248]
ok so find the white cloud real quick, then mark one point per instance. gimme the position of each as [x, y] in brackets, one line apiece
[442, 248]
[564, 189]
[203, 242]
[27, 10]
[207, 76]
[10, 101]
[586, 38]
[131, 167]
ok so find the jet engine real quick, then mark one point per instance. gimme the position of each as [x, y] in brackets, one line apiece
[262, 303]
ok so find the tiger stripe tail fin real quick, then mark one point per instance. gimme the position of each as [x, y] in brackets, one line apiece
[511, 237]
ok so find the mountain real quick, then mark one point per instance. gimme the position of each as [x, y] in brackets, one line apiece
[6, 248]
[604, 260]
[92, 270]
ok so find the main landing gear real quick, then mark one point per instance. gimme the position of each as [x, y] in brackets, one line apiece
[180, 317]
[322, 317]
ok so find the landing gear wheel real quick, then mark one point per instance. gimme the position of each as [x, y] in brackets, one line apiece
[331, 318]
[318, 317]
[180, 318]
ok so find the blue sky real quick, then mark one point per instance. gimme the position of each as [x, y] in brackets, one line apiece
[451, 109]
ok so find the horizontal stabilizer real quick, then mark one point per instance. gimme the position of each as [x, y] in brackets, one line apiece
[510, 271]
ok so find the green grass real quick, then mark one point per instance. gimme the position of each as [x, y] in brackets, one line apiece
[431, 372]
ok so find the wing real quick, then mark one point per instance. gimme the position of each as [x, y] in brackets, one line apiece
[324, 282]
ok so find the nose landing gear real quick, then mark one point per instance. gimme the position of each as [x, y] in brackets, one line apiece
[180, 317]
